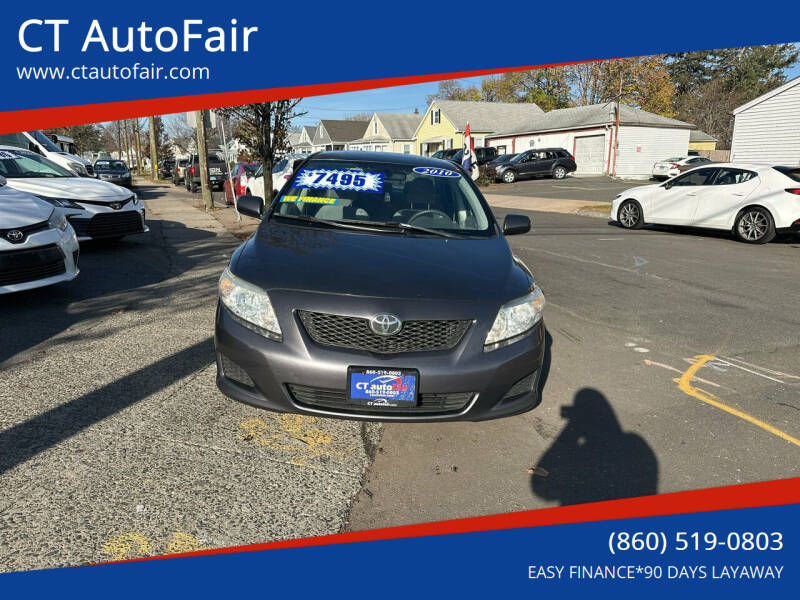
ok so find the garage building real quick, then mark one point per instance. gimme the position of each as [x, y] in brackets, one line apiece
[767, 129]
[588, 132]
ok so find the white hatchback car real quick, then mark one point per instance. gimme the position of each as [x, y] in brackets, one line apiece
[38, 246]
[95, 209]
[753, 201]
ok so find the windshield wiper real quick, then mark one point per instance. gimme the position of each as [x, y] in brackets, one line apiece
[408, 227]
[353, 225]
[376, 226]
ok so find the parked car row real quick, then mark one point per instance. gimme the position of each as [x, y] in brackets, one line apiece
[46, 210]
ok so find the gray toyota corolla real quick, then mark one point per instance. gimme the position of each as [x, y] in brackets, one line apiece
[379, 286]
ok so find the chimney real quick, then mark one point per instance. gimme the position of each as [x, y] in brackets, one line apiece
[416, 111]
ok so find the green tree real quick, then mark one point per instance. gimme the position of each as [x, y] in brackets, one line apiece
[712, 84]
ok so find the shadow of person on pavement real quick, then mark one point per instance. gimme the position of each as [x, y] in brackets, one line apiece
[593, 459]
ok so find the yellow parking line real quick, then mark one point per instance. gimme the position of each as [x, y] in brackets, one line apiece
[685, 384]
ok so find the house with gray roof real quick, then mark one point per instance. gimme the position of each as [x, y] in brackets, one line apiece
[389, 132]
[589, 133]
[305, 140]
[334, 134]
[444, 123]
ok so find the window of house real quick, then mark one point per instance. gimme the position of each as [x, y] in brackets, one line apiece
[479, 142]
[501, 150]
[435, 116]
[531, 143]
[448, 143]
[406, 148]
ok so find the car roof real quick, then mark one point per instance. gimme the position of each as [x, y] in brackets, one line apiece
[392, 157]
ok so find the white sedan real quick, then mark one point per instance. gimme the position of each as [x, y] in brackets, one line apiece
[95, 209]
[672, 167]
[38, 246]
[753, 201]
[281, 172]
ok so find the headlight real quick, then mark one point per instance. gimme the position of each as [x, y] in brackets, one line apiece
[78, 168]
[57, 220]
[515, 319]
[250, 304]
[63, 202]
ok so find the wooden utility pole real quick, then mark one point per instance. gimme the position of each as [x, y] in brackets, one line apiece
[153, 150]
[119, 140]
[202, 153]
[136, 133]
[127, 143]
[616, 125]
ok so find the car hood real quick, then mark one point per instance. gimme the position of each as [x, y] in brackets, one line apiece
[288, 257]
[74, 188]
[640, 189]
[18, 209]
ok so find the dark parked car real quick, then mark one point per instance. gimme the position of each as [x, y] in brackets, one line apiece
[445, 154]
[483, 154]
[178, 171]
[379, 286]
[113, 170]
[165, 168]
[541, 162]
[217, 172]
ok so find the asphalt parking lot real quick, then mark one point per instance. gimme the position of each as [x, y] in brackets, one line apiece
[673, 364]
[588, 189]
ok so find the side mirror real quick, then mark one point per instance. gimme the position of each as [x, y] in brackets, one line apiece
[515, 224]
[668, 184]
[252, 206]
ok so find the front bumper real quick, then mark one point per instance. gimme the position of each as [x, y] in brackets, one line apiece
[43, 259]
[98, 221]
[274, 369]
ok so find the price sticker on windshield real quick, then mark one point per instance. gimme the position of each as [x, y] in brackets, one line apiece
[340, 179]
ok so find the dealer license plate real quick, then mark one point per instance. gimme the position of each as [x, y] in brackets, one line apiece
[369, 386]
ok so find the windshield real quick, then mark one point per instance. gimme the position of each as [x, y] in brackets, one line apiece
[22, 163]
[114, 165]
[385, 194]
[45, 141]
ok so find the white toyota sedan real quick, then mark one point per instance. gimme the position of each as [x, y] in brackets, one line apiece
[38, 246]
[95, 209]
[754, 201]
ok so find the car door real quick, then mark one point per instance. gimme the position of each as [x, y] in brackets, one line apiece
[526, 164]
[725, 197]
[544, 165]
[674, 202]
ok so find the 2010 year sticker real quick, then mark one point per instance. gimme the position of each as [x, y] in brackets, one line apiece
[340, 179]
[434, 172]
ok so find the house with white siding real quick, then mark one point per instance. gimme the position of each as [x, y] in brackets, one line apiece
[767, 129]
[588, 132]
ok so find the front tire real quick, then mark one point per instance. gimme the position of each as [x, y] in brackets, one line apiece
[559, 173]
[755, 226]
[630, 215]
[509, 176]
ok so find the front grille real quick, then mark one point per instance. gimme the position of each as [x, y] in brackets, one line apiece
[22, 266]
[26, 231]
[108, 224]
[337, 399]
[354, 333]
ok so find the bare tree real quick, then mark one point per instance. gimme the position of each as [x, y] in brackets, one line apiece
[264, 127]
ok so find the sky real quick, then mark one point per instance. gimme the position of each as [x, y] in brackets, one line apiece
[401, 99]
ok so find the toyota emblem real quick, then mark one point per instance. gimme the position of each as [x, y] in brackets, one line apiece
[385, 324]
[15, 235]
[116, 205]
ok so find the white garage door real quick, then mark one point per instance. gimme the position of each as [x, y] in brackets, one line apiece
[589, 153]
